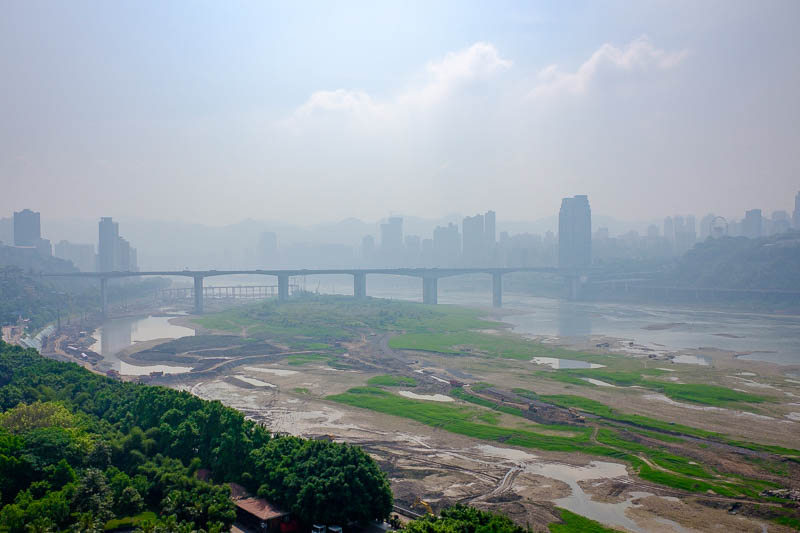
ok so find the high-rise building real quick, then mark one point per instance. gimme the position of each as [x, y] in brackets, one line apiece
[392, 234]
[113, 252]
[575, 232]
[473, 240]
[490, 228]
[780, 223]
[446, 245]
[27, 228]
[669, 229]
[796, 214]
[107, 245]
[751, 225]
[367, 247]
[81, 255]
[705, 226]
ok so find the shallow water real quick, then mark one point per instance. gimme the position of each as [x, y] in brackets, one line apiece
[554, 362]
[116, 334]
[429, 397]
[663, 329]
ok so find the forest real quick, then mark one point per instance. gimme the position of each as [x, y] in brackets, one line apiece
[82, 452]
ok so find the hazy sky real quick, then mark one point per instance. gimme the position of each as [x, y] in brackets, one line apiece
[306, 111]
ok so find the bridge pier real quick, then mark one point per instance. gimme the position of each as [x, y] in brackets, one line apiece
[360, 285]
[104, 297]
[283, 287]
[198, 295]
[430, 290]
[497, 289]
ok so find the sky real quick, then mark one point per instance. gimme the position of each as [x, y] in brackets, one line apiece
[308, 112]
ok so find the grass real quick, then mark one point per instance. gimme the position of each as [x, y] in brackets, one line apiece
[301, 390]
[323, 319]
[130, 521]
[460, 419]
[299, 359]
[575, 523]
[392, 381]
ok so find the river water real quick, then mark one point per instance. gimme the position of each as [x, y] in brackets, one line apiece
[759, 337]
[666, 329]
[116, 334]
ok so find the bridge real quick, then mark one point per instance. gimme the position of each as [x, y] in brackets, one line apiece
[430, 278]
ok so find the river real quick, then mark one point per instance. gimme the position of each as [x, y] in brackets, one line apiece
[761, 337]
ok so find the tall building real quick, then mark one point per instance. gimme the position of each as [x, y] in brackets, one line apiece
[107, 245]
[669, 229]
[473, 241]
[27, 228]
[705, 226]
[780, 223]
[113, 252]
[575, 232]
[490, 228]
[751, 225]
[446, 245]
[392, 234]
[367, 247]
[796, 214]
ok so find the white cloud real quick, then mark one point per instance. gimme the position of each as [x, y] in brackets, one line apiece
[638, 55]
[456, 70]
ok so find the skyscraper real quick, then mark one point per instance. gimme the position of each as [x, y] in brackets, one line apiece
[392, 234]
[107, 245]
[113, 252]
[27, 228]
[473, 240]
[669, 229]
[796, 214]
[751, 225]
[446, 245]
[575, 232]
[489, 228]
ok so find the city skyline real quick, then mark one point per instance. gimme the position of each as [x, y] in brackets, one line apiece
[649, 109]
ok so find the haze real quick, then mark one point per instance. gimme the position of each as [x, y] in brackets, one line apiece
[311, 112]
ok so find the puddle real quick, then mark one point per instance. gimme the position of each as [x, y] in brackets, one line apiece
[557, 363]
[794, 416]
[745, 374]
[667, 369]
[598, 382]
[430, 397]
[665, 399]
[253, 381]
[506, 453]
[754, 384]
[273, 371]
[701, 360]
[127, 369]
[792, 381]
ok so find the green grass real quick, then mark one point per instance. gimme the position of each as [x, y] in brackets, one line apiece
[575, 523]
[319, 320]
[392, 381]
[299, 359]
[130, 521]
[460, 419]
[301, 390]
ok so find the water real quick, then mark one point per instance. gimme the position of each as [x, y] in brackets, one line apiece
[116, 334]
[664, 329]
[557, 363]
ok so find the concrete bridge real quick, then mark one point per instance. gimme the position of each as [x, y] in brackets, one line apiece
[430, 279]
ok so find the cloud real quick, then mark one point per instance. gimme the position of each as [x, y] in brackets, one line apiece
[456, 70]
[638, 55]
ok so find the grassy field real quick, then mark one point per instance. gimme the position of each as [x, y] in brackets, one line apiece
[326, 319]
[575, 523]
[392, 381]
[479, 422]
